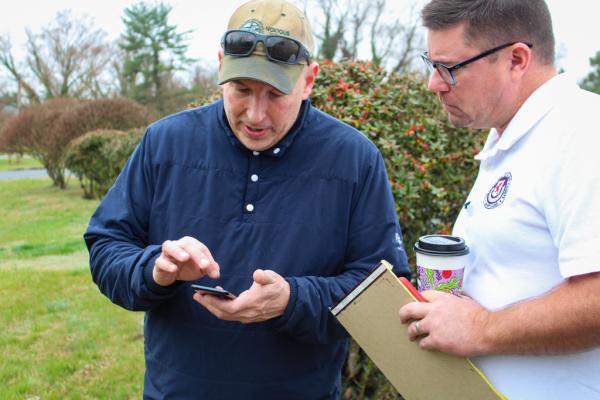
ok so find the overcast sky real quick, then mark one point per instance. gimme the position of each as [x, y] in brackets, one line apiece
[576, 24]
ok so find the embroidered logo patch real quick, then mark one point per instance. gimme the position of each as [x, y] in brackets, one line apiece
[497, 193]
[398, 240]
[253, 25]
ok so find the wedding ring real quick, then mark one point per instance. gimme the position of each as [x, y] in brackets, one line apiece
[417, 327]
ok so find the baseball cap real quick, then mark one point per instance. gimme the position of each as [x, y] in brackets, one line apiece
[267, 17]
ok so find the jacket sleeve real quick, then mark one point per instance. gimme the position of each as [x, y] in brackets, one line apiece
[374, 234]
[121, 259]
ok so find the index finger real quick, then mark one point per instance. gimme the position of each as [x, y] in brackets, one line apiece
[431, 295]
[201, 256]
[174, 251]
[413, 311]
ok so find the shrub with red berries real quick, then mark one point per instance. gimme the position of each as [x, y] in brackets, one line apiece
[429, 162]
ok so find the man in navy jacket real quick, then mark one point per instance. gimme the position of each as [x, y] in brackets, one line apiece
[258, 193]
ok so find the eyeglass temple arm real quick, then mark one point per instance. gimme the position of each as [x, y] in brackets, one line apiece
[485, 54]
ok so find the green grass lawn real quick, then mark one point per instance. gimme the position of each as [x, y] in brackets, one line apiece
[39, 220]
[14, 163]
[60, 338]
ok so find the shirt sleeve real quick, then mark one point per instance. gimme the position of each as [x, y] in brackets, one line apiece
[121, 259]
[374, 235]
[572, 206]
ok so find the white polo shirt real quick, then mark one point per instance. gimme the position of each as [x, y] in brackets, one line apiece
[532, 220]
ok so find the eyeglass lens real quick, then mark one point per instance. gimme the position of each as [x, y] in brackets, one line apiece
[445, 74]
[277, 47]
[239, 43]
[282, 49]
[442, 70]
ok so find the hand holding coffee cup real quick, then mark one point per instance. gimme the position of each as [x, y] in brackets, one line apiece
[441, 261]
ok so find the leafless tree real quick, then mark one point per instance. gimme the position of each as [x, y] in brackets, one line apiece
[395, 43]
[68, 58]
[332, 29]
[356, 21]
[346, 24]
[204, 80]
[8, 62]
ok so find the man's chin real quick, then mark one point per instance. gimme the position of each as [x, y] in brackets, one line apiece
[456, 121]
[253, 142]
[459, 120]
[255, 145]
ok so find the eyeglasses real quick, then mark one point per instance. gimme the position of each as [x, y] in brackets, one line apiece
[447, 72]
[280, 49]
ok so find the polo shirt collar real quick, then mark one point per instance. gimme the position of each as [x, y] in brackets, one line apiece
[533, 110]
[279, 148]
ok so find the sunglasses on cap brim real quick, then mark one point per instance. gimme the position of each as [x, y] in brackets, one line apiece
[280, 49]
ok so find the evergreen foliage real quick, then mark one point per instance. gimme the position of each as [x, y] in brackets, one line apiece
[154, 50]
[592, 81]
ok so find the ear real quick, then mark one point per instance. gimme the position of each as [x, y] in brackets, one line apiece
[220, 55]
[309, 79]
[521, 58]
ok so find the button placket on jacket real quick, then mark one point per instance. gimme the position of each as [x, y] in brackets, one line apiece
[253, 175]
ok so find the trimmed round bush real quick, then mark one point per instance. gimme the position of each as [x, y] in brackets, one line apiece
[45, 130]
[98, 157]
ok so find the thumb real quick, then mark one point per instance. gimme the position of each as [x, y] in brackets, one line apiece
[263, 277]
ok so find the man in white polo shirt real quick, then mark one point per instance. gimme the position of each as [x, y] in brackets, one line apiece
[531, 315]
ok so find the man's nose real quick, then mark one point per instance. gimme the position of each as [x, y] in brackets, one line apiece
[257, 110]
[436, 83]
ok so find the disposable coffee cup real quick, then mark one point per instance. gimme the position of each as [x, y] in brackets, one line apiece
[441, 261]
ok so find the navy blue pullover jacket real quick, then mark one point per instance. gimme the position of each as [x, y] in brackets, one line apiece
[316, 208]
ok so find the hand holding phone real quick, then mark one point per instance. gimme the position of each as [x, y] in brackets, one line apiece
[215, 291]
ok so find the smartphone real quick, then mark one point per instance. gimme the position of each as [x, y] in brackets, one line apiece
[213, 291]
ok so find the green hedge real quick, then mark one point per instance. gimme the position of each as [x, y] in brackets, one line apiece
[429, 162]
[97, 157]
